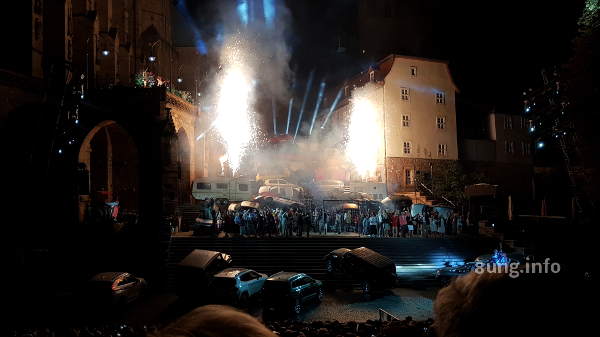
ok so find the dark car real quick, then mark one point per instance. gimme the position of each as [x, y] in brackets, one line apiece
[448, 273]
[290, 291]
[115, 288]
[196, 270]
[363, 265]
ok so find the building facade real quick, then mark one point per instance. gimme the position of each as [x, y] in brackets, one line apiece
[416, 98]
[88, 89]
[503, 155]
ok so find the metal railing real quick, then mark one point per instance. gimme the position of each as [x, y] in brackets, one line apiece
[432, 195]
[386, 316]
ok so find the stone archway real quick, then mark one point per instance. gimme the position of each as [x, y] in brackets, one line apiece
[112, 163]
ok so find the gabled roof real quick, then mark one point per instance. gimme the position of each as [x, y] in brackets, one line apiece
[383, 68]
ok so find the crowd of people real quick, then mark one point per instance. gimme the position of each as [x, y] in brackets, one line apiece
[267, 221]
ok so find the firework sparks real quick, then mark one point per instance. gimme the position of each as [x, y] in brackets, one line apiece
[222, 160]
[364, 131]
[234, 121]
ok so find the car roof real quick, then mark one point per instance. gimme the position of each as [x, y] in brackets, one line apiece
[340, 251]
[231, 272]
[108, 276]
[284, 276]
[372, 257]
[199, 258]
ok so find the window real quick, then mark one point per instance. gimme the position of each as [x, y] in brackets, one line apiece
[509, 146]
[372, 76]
[202, 186]
[406, 147]
[440, 97]
[301, 282]
[530, 125]
[413, 71]
[408, 177]
[525, 149]
[440, 122]
[222, 186]
[387, 9]
[347, 91]
[442, 150]
[249, 276]
[522, 122]
[243, 187]
[405, 120]
[508, 122]
[404, 94]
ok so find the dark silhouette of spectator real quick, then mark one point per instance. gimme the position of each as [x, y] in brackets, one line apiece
[216, 321]
[494, 304]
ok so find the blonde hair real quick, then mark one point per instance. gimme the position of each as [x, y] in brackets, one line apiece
[494, 304]
[216, 321]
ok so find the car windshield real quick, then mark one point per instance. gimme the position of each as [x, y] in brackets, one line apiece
[224, 282]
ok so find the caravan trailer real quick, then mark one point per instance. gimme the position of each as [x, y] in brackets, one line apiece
[232, 189]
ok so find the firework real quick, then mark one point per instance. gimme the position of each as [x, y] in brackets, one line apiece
[234, 121]
[364, 133]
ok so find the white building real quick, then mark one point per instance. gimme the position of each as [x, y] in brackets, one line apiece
[417, 100]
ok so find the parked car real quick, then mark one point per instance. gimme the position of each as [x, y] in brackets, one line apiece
[290, 291]
[278, 182]
[237, 285]
[446, 274]
[115, 288]
[197, 269]
[366, 266]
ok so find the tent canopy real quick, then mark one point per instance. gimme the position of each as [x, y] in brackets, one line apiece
[249, 204]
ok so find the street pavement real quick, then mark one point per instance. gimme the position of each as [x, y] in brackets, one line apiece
[346, 305]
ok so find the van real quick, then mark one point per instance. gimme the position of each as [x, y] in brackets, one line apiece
[232, 189]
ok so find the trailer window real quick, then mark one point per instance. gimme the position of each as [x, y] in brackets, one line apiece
[203, 186]
[222, 186]
[243, 187]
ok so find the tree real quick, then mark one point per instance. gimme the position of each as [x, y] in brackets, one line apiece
[565, 111]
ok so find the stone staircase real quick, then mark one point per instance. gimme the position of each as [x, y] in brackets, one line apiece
[188, 213]
[415, 258]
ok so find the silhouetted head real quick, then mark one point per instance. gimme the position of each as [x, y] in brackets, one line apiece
[216, 321]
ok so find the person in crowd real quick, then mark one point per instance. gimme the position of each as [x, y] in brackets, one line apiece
[237, 220]
[283, 219]
[402, 223]
[434, 225]
[459, 224]
[441, 226]
[410, 226]
[298, 222]
[395, 223]
[426, 223]
[373, 223]
[216, 321]
[270, 223]
[497, 305]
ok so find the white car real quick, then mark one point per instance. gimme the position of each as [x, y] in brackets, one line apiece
[277, 182]
[238, 284]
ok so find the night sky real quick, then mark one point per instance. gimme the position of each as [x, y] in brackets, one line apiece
[495, 48]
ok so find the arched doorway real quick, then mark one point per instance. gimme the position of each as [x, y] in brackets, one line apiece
[110, 158]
